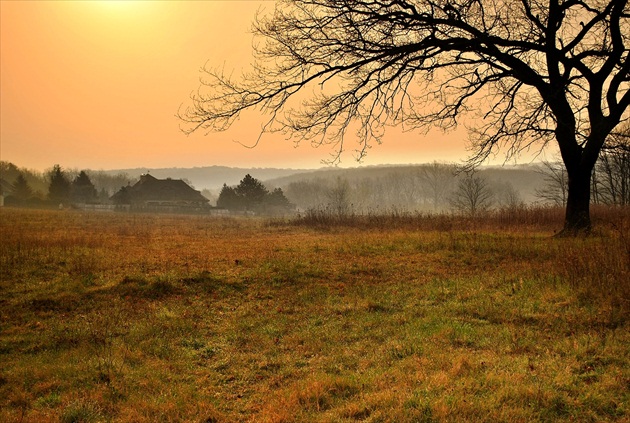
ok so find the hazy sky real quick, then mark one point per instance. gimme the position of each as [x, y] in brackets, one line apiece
[97, 84]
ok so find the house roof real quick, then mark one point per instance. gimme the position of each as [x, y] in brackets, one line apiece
[149, 188]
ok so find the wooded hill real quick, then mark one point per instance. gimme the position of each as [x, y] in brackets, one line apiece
[524, 178]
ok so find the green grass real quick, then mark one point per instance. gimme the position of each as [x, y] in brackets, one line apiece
[116, 317]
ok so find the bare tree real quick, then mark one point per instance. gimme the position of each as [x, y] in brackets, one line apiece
[613, 170]
[556, 188]
[339, 196]
[472, 195]
[437, 180]
[308, 194]
[507, 197]
[110, 183]
[536, 71]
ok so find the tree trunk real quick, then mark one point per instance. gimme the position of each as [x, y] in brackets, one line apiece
[579, 162]
[578, 219]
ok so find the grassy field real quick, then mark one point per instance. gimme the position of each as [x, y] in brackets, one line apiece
[149, 318]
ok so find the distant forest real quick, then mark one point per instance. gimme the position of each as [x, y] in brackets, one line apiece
[428, 187]
[38, 183]
[432, 187]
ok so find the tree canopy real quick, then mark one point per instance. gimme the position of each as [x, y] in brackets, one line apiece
[22, 191]
[59, 187]
[519, 74]
[472, 195]
[82, 189]
[251, 195]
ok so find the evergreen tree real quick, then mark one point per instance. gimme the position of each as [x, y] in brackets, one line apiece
[83, 190]
[251, 191]
[228, 199]
[276, 202]
[277, 198]
[251, 195]
[36, 180]
[59, 187]
[122, 197]
[21, 189]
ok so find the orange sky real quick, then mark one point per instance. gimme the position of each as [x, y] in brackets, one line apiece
[96, 84]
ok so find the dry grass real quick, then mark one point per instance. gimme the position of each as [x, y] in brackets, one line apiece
[116, 317]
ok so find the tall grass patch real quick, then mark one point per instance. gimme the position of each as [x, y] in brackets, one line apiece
[142, 318]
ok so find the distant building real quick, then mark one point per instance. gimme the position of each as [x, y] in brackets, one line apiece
[165, 195]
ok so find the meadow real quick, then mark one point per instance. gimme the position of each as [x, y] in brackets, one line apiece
[396, 318]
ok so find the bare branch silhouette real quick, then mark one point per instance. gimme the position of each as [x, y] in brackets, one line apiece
[518, 74]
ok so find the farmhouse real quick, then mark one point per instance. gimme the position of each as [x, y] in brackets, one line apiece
[166, 195]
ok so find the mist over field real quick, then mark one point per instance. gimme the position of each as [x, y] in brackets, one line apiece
[525, 178]
[371, 188]
[424, 187]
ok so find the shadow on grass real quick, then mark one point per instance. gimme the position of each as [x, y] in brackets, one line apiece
[161, 287]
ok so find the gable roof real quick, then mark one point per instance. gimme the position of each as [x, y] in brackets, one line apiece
[149, 188]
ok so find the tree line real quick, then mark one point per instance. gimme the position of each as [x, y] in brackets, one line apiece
[57, 186]
[435, 187]
[440, 187]
[432, 188]
[251, 196]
